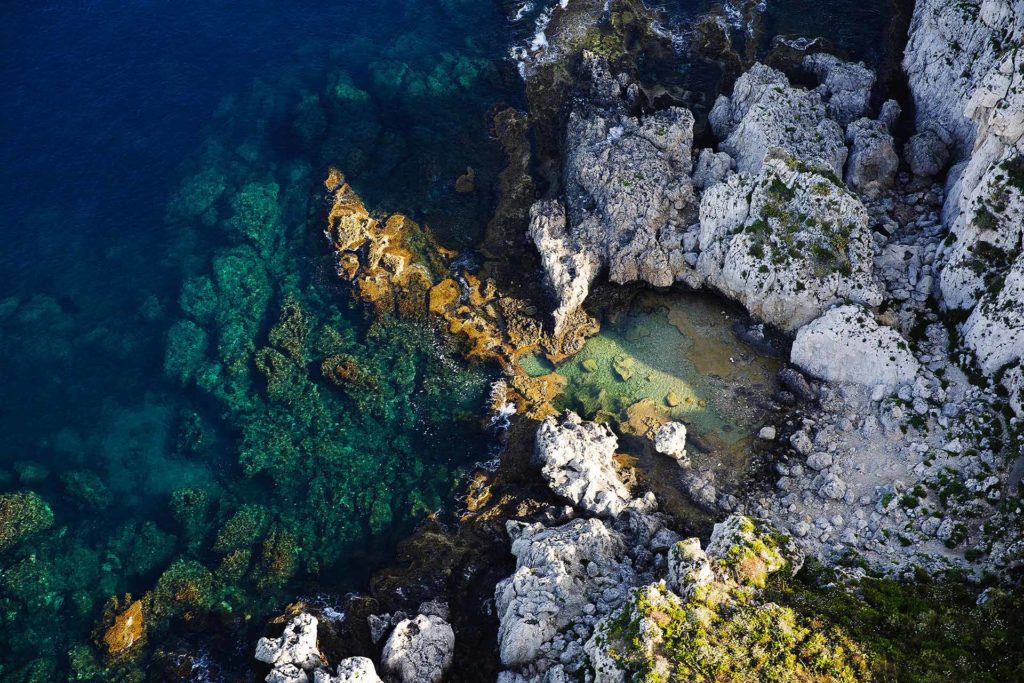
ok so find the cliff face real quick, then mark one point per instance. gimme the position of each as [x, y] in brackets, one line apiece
[965, 67]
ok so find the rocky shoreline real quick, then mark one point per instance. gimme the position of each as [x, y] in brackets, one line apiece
[893, 260]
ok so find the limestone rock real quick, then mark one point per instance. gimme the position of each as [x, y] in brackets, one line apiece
[570, 270]
[688, 567]
[712, 168]
[787, 243]
[287, 673]
[670, 440]
[928, 151]
[576, 460]
[351, 670]
[765, 112]
[846, 86]
[419, 650]
[995, 329]
[627, 192]
[748, 549]
[847, 344]
[565, 577]
[873, 161]
[296, 646]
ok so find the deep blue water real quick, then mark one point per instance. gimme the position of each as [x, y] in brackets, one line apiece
[158, 479]
[161, 210]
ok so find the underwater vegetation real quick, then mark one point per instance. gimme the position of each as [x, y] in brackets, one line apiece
[278, 439]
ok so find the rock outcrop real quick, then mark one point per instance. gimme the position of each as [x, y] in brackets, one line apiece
[670, 440]
[871, 168]
[787, 243]
[627, 191]
[294, 653]
[765, 112]
[845, 86]
[351, 670]
[848, 345]
[419, 650]
[575, 458]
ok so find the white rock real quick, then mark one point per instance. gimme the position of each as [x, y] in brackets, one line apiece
[297, 645]
[848, 345]
[575, 458]
[767, 433]
[351, 670]
[670, 440]
[419, 650]
[765, 112]
[846, 86]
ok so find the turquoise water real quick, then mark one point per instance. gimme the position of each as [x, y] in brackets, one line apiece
[168, 301]
[169, 312]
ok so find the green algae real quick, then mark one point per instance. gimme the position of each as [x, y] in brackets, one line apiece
[670, 357]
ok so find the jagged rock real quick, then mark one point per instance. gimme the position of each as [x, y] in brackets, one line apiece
[576, 460]
[379, 626]
[627, 188]
[688, 567]
[570, 270]
[351, 670]
[787, 243]
[670, 440]
[845, 85]
[287, 673]
[928, 151]
[890, 113]
[848, 345]
[566, 577]
[297, 645]
[951, 46]
[873, 162]
[995, 329]
[765, 112]
[747, 549]
[419, 650]
[712, 168]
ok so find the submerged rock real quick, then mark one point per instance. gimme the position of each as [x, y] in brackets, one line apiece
[848, 345]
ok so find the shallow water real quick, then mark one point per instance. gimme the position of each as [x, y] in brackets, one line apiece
[672, 357]
[170, 318]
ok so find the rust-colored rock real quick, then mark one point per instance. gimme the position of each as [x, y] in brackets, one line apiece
[127, 630]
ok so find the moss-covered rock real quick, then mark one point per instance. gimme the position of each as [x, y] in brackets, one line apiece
[21, 515]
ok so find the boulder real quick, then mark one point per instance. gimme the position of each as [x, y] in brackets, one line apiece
[351, 670]
[928, 151]
[787, 243]
[847, 344]
[688, 567]
[419, 650]
[296, 646]
[575, 458]
[871, 168]
[712, 168]
[844, 85]
[670, 440]
[765, 112]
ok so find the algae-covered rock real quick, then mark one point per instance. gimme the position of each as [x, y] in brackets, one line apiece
[243, 529]
[710, 622]
[21, 515]
[127, 630]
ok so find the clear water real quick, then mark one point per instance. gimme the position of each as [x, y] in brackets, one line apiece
[167, 303]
